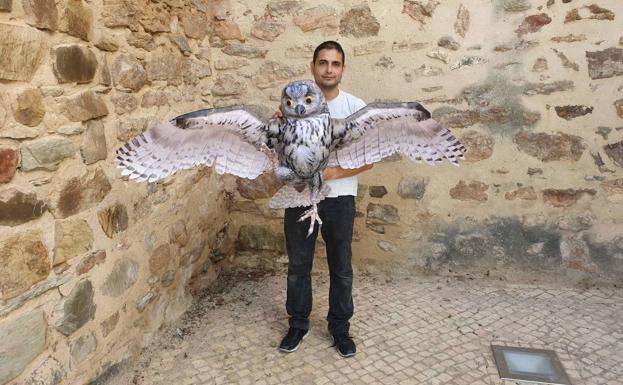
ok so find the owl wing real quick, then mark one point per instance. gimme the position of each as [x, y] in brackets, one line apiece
[229, 137]
[382, 129]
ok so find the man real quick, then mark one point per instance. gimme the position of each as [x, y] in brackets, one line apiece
[337, 213]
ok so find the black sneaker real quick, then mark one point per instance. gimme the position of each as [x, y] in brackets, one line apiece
[344, 345]
[292, 340]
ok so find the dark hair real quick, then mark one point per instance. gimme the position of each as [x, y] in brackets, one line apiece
[329, 44]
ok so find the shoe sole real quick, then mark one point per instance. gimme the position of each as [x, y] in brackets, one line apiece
[296, 347]
[345, 355]
[340, 353]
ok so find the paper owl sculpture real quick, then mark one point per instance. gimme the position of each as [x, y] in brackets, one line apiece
[296, 147]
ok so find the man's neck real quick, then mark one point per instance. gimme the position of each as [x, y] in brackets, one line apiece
[330, 93]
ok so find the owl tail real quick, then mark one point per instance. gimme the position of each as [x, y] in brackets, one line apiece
[287, 196]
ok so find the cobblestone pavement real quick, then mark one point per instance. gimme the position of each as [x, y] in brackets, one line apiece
[409, 330]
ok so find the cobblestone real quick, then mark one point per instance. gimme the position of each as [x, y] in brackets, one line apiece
[409, 330]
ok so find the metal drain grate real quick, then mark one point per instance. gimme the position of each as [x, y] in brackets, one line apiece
[529, 365]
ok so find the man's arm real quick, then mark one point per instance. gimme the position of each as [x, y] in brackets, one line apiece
[339, 172]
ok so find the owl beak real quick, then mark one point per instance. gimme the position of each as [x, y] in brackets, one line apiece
[299, 109]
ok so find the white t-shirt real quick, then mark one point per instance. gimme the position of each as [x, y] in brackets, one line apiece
[341, 107]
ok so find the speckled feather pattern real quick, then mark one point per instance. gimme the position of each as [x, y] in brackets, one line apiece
[230, 139]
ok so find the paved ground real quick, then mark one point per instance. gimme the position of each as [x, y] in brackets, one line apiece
[408, 329]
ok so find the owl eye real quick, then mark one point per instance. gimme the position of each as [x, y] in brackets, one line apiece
[289, 102]
[308, 99]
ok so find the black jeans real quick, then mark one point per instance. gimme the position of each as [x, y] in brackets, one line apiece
[337, 215]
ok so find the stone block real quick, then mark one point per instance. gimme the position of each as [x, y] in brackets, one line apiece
[109, 324]
[572, 112]
[107, 42]
[533, 23]
[377, 191]
[614, 190]
[123, 276]
[74, 63]
[547, 148]
[618, 106]
[23, 339]
[605, 64]
[547, 88]
[245, 50]
[113, 219]
[79, 19]
[82, 348]
[178, 233]
[84, 106]
[6, 5]
[21, 52]
[373, 47]
[49, 372]
[448, 42]
[159, 258]
[462, 23]
[320, 17]
[46, 153]
[281, 8]
[77, 193]
[615, 152]
[124, 103]
[592, 11]
[479, 146]
[17, 207]
[128, 73]
[42, 14]
[386, 246]
[90, 260]
[412, 187]
[129, 128]
[523, 193]
[30, 109]
[73, 237]
[8, 164]
[24, 261]
[155, 17]
[472, 191]
[93, 147]
[77, 309]
[380, 214]
[420, 10]
[565, 197]
[155, 99]
[359, 22]
[515, 5]
[259, 238]
[267, 29]
[195, 25]
[227, 30]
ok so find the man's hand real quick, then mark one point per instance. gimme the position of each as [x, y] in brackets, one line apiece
[338, 172]
[278, 115]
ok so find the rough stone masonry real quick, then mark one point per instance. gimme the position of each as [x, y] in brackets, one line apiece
[93, 265]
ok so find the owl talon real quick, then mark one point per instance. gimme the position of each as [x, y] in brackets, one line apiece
[313, 216]
[270, 154]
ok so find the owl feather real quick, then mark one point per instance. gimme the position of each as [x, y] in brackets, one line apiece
[298, 147]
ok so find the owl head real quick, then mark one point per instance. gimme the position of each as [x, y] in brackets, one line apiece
[302, 98]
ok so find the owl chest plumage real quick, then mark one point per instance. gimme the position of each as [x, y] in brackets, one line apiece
[306, 143]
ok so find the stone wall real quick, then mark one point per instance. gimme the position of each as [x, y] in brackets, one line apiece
[92, 264]
[533, 88]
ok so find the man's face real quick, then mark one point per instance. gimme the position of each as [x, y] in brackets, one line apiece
[328, 68]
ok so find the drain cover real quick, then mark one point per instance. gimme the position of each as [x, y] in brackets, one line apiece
[529, 365]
